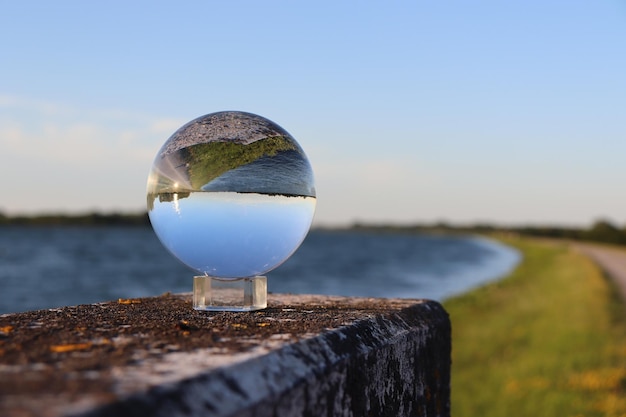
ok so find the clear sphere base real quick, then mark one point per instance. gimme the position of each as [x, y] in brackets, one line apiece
[218, 294]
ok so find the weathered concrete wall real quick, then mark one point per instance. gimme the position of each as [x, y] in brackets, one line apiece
[303, 356]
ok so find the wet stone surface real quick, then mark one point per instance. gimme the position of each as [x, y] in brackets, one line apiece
[69, 360]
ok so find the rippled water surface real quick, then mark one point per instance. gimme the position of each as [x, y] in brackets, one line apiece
[45, 267]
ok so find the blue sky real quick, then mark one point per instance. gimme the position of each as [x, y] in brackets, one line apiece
[507, 112]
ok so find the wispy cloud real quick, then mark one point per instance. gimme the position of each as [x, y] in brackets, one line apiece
[48, 143]
[58, 132]
[33, 105]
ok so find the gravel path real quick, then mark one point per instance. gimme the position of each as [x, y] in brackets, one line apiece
[611, 260]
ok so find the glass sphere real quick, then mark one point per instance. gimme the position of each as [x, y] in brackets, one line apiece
[231, 194]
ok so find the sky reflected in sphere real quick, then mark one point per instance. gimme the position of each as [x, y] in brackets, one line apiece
[231, 195]
[233, 234]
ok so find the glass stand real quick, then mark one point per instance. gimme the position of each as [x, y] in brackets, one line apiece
[239, 294]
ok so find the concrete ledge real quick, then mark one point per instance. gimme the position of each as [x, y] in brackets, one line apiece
[303, 356]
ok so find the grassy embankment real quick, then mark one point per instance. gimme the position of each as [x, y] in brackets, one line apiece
[210, 160]
[549, 340]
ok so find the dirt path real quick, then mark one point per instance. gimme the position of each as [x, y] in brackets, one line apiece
[611, 260]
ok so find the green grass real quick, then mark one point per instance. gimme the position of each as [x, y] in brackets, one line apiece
[549, 340]
[210, 160]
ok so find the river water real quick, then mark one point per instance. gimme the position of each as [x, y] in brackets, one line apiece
[47, 267]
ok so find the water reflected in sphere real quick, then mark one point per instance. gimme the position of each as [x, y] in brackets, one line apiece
[231, 195]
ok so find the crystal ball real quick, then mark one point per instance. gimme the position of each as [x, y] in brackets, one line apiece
[231, 195]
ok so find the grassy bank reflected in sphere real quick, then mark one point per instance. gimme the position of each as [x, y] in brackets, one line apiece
[231, 195]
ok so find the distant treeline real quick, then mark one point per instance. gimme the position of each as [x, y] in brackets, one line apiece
[601, 231]
[87, 219]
